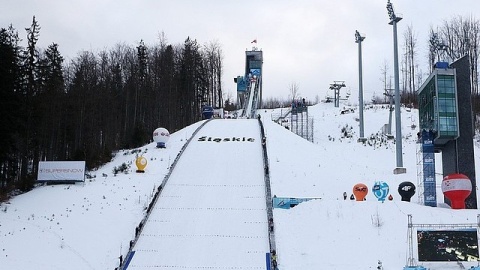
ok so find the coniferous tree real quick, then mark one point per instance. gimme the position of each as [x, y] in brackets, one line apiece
[49, 104]
[28, 146]
[167, 87]
[9, 105]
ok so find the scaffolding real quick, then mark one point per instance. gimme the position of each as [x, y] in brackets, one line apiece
[426, 178]
[297, 120]
[420, 187]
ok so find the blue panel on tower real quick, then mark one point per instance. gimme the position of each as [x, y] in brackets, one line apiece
[256, 71]
[241, 84]
[442, 65]
[429, 184]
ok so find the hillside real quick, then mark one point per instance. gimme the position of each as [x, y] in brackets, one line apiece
[88, 226]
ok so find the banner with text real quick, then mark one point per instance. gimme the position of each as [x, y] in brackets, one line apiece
[429, 183]
[61, 171]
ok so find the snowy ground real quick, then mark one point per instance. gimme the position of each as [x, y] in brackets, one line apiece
[88, 226]
[213, 209]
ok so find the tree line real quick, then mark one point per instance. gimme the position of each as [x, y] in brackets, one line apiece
[98, 102]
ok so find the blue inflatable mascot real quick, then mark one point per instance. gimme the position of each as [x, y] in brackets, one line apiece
[380, 190]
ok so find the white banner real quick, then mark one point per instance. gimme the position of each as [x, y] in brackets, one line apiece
[61, 171]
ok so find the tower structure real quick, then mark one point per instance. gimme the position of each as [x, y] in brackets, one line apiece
[249, 86]
[336, 86]
[448, 126]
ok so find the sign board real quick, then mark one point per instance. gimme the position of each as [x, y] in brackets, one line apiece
[256, 72]
[61, 171]
[241, 84]
[429, 183]
[287, 203]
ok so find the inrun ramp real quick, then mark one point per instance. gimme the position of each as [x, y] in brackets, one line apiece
[212, 212]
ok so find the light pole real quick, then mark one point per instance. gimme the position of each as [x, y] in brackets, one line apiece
[398, 125]
[359, 39]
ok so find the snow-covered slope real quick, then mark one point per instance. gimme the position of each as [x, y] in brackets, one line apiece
[83, 226]
[88, 226]
[212, 212]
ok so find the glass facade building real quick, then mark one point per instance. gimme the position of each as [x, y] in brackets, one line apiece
[438, 106]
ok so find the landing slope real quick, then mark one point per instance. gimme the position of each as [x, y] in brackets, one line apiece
[212, 213]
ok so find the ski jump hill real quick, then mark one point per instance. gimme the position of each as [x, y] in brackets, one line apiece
[212, 209]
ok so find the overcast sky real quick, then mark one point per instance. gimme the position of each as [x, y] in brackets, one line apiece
[307, 42]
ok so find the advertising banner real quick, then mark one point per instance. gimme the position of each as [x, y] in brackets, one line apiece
[241, 84]
[256, 71]
[430, 193]
[287, 203]
[61, 171]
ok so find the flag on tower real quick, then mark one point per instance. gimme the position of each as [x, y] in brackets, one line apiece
[254, 41]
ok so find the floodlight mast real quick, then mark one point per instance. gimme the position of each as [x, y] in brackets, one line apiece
[394, 19]
[359, 39]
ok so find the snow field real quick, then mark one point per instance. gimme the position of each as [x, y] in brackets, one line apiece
[214, 213]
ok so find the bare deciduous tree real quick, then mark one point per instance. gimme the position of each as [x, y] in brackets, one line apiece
[294, 91]
[409, 66]
[457, 38]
